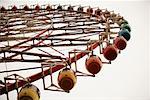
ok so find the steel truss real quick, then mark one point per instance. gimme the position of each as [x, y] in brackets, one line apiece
[50, 26]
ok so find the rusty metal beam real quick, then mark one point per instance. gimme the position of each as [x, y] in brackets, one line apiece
[32, 54]
[38, 76]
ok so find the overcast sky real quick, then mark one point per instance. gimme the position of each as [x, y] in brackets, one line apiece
[128, 77]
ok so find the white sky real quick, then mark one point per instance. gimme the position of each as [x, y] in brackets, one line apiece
[128, 77]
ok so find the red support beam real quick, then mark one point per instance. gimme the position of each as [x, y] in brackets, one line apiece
[38, 76]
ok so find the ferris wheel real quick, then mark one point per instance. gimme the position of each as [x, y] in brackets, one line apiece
[56, 37]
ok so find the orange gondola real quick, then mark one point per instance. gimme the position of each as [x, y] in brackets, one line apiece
[120, 43]
[29, 92]
[110, 52]
[93, 64]
[67, 79]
